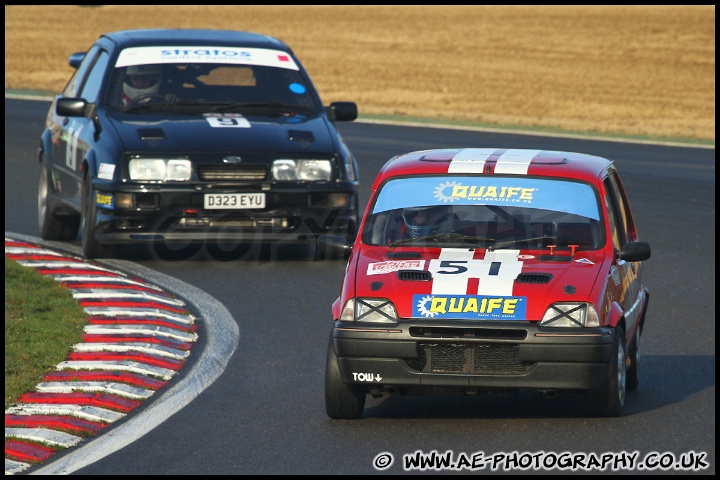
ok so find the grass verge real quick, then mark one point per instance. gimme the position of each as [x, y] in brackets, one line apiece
[41, 320]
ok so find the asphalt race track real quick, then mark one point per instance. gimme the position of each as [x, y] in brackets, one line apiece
[264, 413]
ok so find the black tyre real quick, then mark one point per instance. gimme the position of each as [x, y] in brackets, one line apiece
[633, 369]
[342, 401]
[609, 400]
[53, 227]
[92, 248]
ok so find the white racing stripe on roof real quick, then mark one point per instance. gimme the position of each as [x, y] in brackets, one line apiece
[470, 160]
[515, 161]
[117, 365]
[114, 388]
[122, 293]
[144, 330]
[52, 437]
[94, 414]
[148, 348]
[140, 312]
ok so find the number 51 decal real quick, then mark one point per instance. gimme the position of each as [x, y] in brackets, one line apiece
[493, 275]
[450, 264]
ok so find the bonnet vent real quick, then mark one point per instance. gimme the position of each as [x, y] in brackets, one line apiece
[151, 133]
[534, 278]
[301, 136]
[415, 275]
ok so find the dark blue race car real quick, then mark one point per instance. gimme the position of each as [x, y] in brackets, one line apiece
[179, 138]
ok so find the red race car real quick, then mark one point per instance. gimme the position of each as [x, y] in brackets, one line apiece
[483, 269]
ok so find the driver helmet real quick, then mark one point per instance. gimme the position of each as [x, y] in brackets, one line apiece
[141, 80]
[424, 221]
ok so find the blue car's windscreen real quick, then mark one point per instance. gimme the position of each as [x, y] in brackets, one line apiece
[222, 80]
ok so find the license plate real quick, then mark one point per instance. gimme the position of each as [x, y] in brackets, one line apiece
[234, 200]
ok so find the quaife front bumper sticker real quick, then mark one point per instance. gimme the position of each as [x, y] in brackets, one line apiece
[472, 307]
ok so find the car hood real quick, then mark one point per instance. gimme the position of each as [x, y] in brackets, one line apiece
[460, 283]
[207, 134]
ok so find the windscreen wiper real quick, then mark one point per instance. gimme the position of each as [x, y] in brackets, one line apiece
[449, 237]
[274, 106]
[542, 240]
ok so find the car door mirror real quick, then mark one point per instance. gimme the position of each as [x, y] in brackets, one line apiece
[71, 107]
[342, 111]
[76, 59]
[635, 251]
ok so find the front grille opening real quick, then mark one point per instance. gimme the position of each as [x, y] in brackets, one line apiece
[129, 224]
[146, 200]
[318, 200]
[474, 333]
[470, 359]
[218, 173]
[230, 221]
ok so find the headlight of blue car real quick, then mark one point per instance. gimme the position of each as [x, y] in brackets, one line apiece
[160, 169]
[311, 170]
